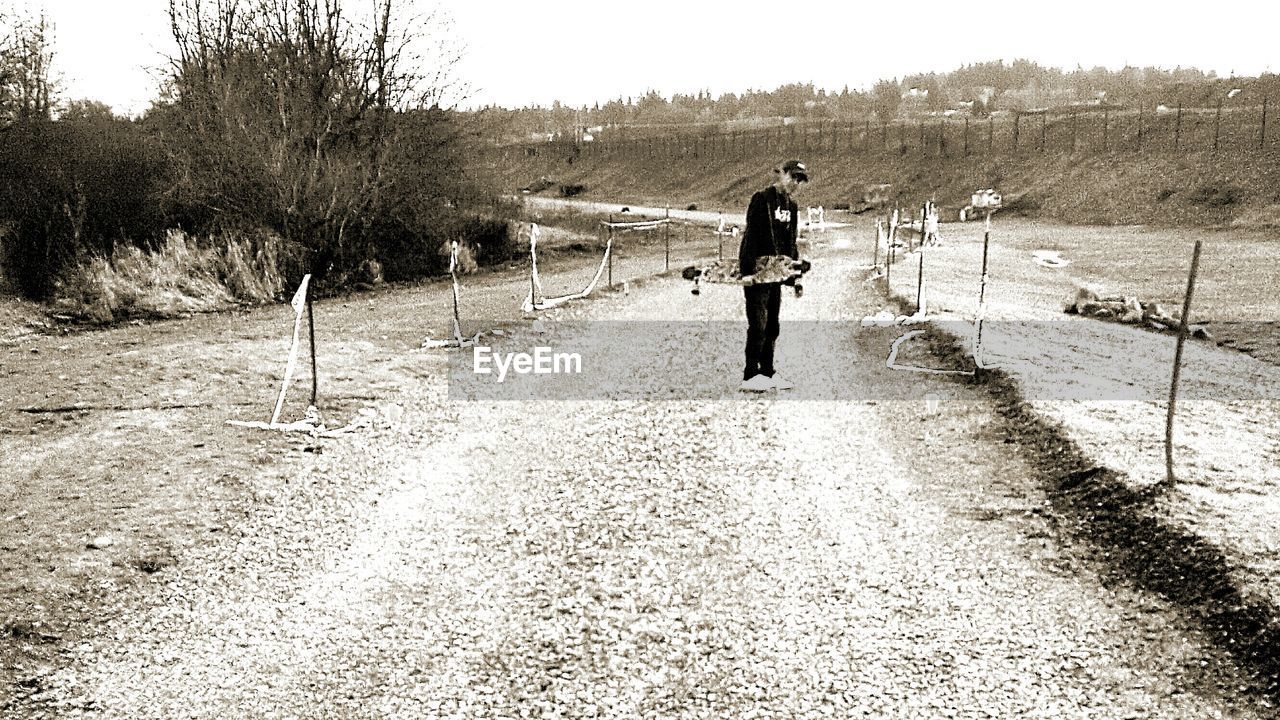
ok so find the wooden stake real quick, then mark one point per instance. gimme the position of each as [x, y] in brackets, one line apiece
[982, 291]
[311, 328]
[1217, 124]
[1177, 366]
[920, 282]
[1177, 129]
[875, 247]
[1262, 130]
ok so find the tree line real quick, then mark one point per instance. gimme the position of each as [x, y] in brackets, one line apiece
[974, 90]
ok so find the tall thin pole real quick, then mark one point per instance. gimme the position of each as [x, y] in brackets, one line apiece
[1177, 129]
[1217, 124]
[1262, 129]
[875, 247]
[311, 329]
[982, 291]
[666, 236]
[920, 282]
[611, 253]
[1177, 366]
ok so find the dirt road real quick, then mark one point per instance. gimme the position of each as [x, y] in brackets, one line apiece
[639, 557]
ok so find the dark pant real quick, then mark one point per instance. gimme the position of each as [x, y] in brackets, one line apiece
[763, 304]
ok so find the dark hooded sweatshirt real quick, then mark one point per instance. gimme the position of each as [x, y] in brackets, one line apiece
[772, 228]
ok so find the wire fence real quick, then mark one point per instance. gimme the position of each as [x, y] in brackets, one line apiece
[1078, 130]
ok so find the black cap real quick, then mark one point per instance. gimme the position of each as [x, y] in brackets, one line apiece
[796, 169]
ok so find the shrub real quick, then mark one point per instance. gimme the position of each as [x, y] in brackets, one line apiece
[72, 187]
[182, 275]
[1215, 196]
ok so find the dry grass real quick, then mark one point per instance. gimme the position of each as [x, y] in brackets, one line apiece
[183, 275]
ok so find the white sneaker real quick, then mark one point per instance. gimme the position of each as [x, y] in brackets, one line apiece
[781, 383]
[757, 383]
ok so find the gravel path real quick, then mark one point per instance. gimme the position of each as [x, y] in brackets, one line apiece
[740, 557]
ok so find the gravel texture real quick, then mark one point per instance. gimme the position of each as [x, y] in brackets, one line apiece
[1227, 429]
[743, 557]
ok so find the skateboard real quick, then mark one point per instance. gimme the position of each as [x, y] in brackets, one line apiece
[769, 269]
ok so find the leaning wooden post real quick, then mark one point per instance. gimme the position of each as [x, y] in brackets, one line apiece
[982, 294]
[1177, 367]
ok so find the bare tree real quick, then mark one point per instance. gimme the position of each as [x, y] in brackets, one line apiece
[290, 112]
[27, 86]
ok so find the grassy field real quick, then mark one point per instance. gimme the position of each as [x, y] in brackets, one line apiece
[1196, 188]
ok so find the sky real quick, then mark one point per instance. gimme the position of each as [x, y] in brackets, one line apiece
[523, 53]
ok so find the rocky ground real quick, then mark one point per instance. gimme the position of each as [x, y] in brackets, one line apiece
[714, 556]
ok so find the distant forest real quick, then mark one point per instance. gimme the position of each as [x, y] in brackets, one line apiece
[977, 90]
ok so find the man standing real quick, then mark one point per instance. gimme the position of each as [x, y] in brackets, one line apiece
[772, 228]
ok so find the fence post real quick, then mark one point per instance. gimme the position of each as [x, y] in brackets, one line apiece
[920, 282]
[875, 248]
[311, 331]
[1177, 129]
[942, 137]
[1262, 129]
[666, 238]
[1217, 124]
[922, 146]
[1177, 367]
[1017, 125]
[611, 253]
[1139, 127]
[982, 295]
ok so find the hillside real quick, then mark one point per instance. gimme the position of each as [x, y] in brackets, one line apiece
[1198, 188]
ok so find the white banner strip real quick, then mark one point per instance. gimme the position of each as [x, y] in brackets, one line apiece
[639, 225]
[539, 302]
[299, 304]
